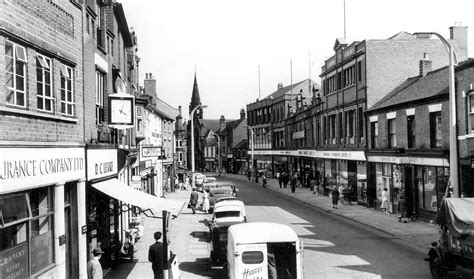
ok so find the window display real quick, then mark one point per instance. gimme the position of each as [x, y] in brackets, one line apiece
[26, 232]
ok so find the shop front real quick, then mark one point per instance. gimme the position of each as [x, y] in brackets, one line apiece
[111, 203]
[422, 181]
[42, 194]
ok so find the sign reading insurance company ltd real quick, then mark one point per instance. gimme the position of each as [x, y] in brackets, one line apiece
[101, 163]
[23, 168]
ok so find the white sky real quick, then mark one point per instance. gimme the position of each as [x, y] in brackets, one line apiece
[227, 40]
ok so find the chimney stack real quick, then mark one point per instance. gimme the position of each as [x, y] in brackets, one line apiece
[280, 86]
[425, 65]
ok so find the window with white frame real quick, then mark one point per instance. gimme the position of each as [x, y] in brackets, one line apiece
[374, 134]
[44, 94]
[99, 96]
[471, 111]
[392, 133]
[67, 92]
[15, 79]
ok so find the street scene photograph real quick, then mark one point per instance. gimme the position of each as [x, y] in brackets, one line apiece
[246, 139]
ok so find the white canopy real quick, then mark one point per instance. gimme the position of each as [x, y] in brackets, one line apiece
[117, 189]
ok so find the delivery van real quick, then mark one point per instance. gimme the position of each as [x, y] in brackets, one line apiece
[263, 250]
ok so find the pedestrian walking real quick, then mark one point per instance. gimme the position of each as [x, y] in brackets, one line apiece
[155, 256]
[402, 210]
[280, 179]
[94, 269]
[293, 181]
[285, 178]
[341, 194]
[249, 174]
[193, 200]
[384, 197]
[205, 202]
[187, 183]
[264, 181]
[335, 197]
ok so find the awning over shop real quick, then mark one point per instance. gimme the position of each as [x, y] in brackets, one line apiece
[118, 190]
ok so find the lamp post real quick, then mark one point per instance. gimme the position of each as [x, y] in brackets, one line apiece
[192, 143]
[252, 166]
[453, 143]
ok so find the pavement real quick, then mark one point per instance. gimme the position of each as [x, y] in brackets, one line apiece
[189, 235]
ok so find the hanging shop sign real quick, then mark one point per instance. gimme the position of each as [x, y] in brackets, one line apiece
[23, 168]
[151, 151]
[101, 163]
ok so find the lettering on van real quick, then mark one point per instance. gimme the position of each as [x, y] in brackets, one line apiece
[250, 273]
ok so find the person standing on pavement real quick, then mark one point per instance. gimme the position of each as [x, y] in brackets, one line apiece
[335, 197]
[384, 197]
[193, 200]
[285, 179]
[279, 178]
[94, 269]
[155, 256]
[293, 182]
[402, 210]
[205, 202]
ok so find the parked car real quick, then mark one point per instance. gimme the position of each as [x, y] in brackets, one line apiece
[226, 213]
[217, 194]
[228, 185]
[208, 184]
[199, 179]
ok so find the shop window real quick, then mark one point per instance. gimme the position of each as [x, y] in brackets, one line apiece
[392, 133]
[411, 131]
[15, 78]
[436, 134]
[26, 230]
[429, 184]
[67, 93]
[43, 83]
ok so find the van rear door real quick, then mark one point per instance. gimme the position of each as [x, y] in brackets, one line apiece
[251, 262]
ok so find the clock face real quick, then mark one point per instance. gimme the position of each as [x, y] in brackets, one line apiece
[121, 111]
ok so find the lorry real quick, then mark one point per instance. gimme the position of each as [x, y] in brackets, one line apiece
[452, 256]
[263, 250]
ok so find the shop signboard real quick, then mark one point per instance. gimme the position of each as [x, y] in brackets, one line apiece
[24, 168]
[14, 262]
[101, 163]
[151, 151]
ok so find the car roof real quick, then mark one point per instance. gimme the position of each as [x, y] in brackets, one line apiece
[228, 202]
[226, 183]
[223, 190]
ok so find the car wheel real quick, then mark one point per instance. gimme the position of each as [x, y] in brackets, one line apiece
[436, 268]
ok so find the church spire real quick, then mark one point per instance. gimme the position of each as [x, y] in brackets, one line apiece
[195, 98]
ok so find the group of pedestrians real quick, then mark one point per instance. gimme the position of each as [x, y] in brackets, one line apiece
[194, 199]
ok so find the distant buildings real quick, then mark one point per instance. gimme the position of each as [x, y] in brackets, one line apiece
[358, 130]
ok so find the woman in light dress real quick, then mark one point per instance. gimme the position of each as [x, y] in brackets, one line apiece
[384, 197]
[205, 201]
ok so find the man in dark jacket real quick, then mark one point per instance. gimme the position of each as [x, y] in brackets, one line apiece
[193, 200]
[155, 256]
